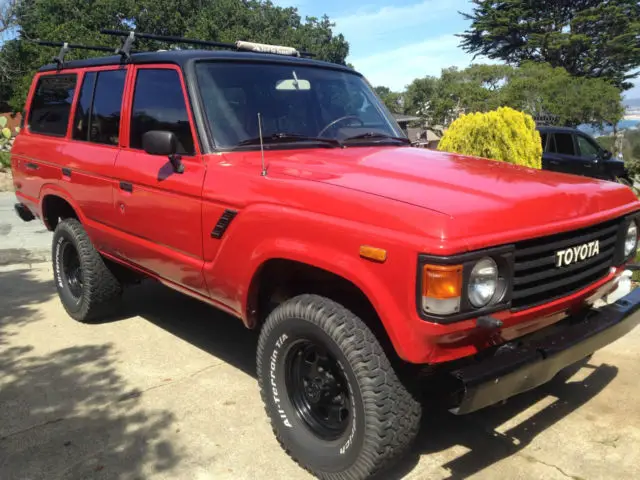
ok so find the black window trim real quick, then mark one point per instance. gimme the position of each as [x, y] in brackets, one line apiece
[187, 101]
[73, 101]
[97, 71]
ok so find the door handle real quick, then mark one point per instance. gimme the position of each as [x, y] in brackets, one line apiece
[554, 162]
[126, 186]
[31, 166]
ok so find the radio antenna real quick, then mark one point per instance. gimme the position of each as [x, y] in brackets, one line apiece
[264, 167]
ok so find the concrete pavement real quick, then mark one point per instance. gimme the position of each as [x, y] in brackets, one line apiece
[21, 242]
[167, 391]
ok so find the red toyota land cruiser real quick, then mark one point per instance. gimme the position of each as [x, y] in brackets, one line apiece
[280, 190]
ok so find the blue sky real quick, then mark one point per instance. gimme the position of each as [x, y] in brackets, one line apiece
[391, 44]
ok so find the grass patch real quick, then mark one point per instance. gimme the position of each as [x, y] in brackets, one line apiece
[5, 160]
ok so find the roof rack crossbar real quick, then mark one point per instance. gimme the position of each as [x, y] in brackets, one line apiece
[168, 38]
[189, 41]
[125, 50]
[65, 47]
[59, 59]
[74, 46]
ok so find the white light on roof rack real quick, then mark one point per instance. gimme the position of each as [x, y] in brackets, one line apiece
[264, 48]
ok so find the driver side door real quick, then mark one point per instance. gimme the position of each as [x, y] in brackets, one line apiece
[159, 211]
[589, 160]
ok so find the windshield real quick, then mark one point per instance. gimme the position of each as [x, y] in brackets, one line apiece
[309, 102]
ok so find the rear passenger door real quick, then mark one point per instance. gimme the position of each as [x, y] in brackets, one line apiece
[94, 146]
[158, 210]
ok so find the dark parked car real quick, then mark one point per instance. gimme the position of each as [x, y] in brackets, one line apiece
[569, 150]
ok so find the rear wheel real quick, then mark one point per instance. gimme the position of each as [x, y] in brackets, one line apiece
[335, 403]
[86, 287]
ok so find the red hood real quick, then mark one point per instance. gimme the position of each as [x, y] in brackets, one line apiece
[472, 191]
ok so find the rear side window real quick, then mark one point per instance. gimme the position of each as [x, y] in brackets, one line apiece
[51, 105]
[99, 107]
[543, 137]
[564, 144]
[158, 104]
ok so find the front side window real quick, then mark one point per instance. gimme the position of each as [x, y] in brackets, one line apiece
[159, 104]
[51, 104]
[99, 107]
[291, 100]
[587, 148]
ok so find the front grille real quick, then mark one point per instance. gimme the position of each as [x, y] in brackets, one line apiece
[537, 279]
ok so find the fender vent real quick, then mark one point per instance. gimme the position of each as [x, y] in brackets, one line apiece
[223, 223]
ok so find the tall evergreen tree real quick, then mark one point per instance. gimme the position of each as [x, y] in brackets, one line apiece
[588, 38]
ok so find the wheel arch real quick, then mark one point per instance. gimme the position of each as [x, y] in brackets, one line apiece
[279, 279]
[56, 204]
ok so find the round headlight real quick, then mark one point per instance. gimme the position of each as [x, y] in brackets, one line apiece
[631, 239]
[483, 282]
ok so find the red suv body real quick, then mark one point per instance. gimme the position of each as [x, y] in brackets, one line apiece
[239, 212]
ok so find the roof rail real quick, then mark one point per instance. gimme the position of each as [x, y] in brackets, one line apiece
[239, 45]
[65, 47]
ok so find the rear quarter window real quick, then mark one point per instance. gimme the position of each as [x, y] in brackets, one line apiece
[51, 104]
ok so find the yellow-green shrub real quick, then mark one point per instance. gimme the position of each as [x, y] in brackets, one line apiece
[503, 134]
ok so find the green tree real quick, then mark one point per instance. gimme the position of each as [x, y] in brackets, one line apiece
[588, 38]
[392, 100]
[418, 98]
[79, 21]
[538, 89]
[535, 88]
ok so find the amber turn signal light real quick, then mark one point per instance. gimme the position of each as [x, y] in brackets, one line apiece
[442, 281]
[373, 253]
[441, 288]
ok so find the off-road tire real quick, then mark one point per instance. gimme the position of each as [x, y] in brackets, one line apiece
[387, 416]
[100, 290]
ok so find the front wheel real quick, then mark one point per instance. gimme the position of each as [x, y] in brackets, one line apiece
[335, 403]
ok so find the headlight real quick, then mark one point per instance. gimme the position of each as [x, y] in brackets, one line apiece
[631, 239]
[483, 282]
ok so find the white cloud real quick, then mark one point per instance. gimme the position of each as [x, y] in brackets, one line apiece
[379, 22]
[398, 67]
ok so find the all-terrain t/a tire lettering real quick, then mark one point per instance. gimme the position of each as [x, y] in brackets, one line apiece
[86, 287]
[380, 417]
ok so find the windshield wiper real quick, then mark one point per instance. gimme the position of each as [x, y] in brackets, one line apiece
[376, 136]
[283, 137]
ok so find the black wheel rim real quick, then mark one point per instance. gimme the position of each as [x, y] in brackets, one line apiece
[318, 389]
[71, 269]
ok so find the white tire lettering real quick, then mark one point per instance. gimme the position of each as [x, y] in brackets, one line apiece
[56, 263]
[272, 375]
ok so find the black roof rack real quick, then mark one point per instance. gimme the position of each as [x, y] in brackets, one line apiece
[65, 47]
[130, 38]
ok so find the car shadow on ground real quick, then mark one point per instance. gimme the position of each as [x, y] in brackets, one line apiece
[483, 435]
[67, 413]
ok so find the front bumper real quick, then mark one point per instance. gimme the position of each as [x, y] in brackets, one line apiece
[523, 365]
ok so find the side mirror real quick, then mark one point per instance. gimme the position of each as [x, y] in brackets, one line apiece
[606, 155]
[160, 142]
[165, 143]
